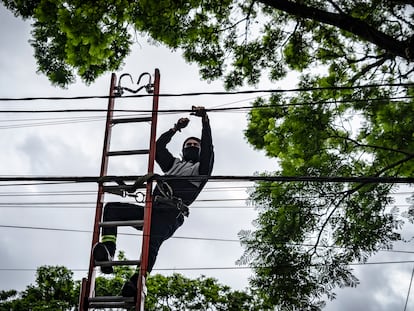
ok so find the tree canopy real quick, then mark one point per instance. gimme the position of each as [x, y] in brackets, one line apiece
[177, 292]
[354, 116]
[237, 40]
[55, 289]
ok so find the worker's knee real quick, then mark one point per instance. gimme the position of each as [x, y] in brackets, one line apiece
[110, 211]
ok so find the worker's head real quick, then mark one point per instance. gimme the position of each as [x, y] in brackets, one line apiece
[191, 149]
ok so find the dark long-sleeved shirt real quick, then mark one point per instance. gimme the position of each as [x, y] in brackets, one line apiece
[187, 190]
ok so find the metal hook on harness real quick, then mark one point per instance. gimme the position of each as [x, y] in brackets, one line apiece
[138, 196]
[119, 90]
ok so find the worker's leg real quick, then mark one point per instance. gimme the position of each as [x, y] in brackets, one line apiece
[163, 225]
[114, 211]
[162, 228]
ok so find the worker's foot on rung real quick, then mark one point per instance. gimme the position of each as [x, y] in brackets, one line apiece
[100, 254]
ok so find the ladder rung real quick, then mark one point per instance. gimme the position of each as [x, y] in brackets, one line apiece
[124, 223]
[111, 302]
[131, 120]
[117, 263]
[127, 152]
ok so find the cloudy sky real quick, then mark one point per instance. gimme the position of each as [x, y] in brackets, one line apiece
[51, 224]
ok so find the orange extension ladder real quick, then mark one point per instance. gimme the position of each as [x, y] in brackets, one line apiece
[87, 299]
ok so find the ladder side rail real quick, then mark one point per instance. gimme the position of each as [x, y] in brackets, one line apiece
[148, 204]
[85, 293]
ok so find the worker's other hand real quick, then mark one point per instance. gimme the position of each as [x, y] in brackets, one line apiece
[181, 123]
[198, 111]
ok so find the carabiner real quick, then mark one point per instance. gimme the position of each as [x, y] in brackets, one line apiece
[140, 195]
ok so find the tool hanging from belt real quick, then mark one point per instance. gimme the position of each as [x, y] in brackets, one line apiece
[167, 198]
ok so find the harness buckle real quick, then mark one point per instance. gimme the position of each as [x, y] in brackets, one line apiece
[174, 202]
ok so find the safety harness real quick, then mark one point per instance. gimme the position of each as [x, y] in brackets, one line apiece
[166, 198]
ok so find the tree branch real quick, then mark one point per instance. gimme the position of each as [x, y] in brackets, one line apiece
[357, 143]
[344, 22]
[353, 190]
[378, 63]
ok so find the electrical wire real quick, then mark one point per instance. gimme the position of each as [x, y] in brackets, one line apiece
[214, 178]
[409, 289]
[233, 267]
[91, 205]
[307, 89]
[94, 192]
[181, 237]
[225, 109]
[243, 189]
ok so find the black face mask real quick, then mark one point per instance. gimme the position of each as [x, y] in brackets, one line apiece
[191, 154]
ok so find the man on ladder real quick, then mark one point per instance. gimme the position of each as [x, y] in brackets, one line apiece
[170, 199]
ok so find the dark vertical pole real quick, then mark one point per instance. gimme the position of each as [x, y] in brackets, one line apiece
[148, 204]
[88, 286]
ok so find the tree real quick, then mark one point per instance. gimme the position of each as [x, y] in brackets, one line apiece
[177, 292]
[306, 233]
[235, 39]
[54, 290]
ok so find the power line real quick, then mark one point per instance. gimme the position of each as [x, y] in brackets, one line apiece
[183, 237]
[225, 109]
[409, 289]
[93, 192]
[308, 89]
[206, 189]
[91, 205]
[234, 267]
[36, 184]
[216, 178]
[125, 234]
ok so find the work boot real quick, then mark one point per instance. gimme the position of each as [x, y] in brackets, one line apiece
[130, 287]
[104, 252]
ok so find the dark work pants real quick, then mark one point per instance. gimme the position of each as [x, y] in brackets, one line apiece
[165, 220]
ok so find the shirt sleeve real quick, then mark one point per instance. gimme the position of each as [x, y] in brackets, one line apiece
[207, 150]
[163, 156]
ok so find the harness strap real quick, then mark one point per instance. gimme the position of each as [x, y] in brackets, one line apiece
[173, 202]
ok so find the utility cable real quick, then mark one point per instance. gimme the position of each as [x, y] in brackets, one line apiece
[216, 178]
[222, 109]
[306, 89]
[125, 234]
[409, 289]
[94, 192]
[242, 189]
[91, 205]
[182, 237]
[235, 267]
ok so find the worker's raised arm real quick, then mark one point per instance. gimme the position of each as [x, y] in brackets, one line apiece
[163, 156]
[207, 150]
